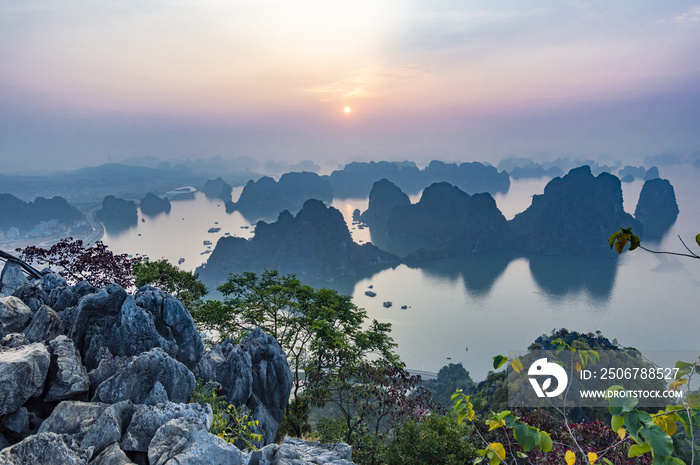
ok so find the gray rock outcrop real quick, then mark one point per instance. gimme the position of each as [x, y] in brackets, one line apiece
[140, 375]
[133, 357]
[11, 278]
[44, 325]
[150, 319]
[112, 455]
[186, 441]
[45, 449]
[299, 452]
[68, 378]
[253, 373]
[14, 315]
[148, 418]
[22, 374]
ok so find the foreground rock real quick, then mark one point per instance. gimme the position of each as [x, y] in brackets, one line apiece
[186, 441]
[253, 373]
[107, 318]
[11, 278]
[45, 449]
[14, 315]
[23, 371]
[103, 378]
[299, 452]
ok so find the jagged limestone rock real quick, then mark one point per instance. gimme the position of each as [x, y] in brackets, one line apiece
[23, 371]
[186, 441]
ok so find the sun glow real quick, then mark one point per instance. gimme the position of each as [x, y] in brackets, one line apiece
[347, 110]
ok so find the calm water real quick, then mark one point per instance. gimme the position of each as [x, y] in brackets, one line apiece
[493, 303]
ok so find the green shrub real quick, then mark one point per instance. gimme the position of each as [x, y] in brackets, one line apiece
[432, 440]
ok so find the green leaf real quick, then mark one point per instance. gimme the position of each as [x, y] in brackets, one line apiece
[697, 239]
[498, 361]
[618, 405]
[667, 461]
[545, 442]
[634, 242]
[638, 449]
[660, 442]
[633, 425]
[608, 461]
[611, 241]
[527, 437]
[694, 400]
[616, 422]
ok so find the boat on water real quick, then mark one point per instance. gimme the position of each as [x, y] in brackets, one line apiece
[181, 193]
[214, 230]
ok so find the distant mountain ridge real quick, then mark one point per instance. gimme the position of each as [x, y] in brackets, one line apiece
[265, 198]
[356, 179]
[25, 215]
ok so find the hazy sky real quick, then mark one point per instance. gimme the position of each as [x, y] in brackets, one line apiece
[83, 80]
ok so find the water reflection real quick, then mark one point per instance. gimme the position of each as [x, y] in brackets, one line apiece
[563, 276]
[118, 229]
[479, 272]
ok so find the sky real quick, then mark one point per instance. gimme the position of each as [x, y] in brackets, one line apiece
[83, 82]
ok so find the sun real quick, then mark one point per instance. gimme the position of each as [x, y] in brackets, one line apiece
[347, 110]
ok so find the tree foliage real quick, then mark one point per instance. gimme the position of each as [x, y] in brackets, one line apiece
[321, 331]
[71, 259]
[184, 285]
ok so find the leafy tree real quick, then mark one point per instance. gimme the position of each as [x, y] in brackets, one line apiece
[182, 284]
[371, 396]
[429, 440]
[71, 259]
[321, 331]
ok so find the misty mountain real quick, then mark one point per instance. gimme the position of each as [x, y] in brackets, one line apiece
[576, 213]
[25, 215]
[657, 208]
[315, 245]
[265, 198]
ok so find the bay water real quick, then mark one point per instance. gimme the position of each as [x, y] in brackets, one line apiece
[468, 309]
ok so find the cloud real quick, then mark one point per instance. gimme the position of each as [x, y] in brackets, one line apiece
[690, 16]
[367, 82]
